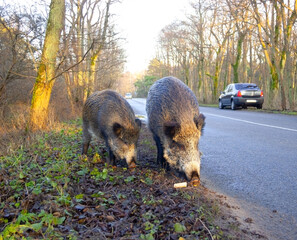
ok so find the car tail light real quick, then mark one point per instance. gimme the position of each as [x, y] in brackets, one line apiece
[239, 94]
[262, 94]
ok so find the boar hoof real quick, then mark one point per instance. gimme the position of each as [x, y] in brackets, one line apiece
[195, 181]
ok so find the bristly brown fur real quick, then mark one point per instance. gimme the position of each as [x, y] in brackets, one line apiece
[176, 124]
[109, 116]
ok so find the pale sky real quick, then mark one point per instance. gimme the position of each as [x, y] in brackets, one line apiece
[140, 22]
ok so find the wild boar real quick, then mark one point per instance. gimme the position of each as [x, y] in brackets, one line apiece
[176, 125]
[107, 115]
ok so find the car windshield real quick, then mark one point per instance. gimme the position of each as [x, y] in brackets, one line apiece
[245, 86]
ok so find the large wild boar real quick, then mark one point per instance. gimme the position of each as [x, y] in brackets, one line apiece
[109, 116]
[176, 125]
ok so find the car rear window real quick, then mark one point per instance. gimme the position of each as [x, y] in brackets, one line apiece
[245, 86]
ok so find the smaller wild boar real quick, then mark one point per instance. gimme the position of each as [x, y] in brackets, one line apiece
[107, 115]
[176, 124]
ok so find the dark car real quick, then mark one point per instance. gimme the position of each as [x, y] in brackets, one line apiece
[241, 95]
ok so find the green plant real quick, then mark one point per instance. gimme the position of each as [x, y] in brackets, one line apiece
[99, 175]
[31, 221]
[150, 200]
[147, 181]
[179, 228]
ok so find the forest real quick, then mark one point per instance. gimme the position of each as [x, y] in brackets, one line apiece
[228, 41]
[217, 43]
[44, 66]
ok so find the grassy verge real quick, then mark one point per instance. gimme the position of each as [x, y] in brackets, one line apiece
[49, 191]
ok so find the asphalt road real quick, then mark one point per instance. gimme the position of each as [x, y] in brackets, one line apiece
[251, 157]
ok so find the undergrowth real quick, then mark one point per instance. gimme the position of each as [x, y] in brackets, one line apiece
[49, 191]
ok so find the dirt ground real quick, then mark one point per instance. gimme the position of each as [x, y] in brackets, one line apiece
[226, 217]
[103, 202]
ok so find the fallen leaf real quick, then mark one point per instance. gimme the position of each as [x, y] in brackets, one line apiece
[110, 218]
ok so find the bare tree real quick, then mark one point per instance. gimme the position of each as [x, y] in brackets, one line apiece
[89, 38]
[241, 18]
[275, 35]
[234, 41]
[221, 29]
[47, 69]
[20, 35]
[197, 28]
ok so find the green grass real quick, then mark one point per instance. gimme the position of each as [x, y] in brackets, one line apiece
[44, 168]
[49, 191]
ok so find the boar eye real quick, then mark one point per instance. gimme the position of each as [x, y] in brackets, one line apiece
[117, 129]
[171, 129]
[175, 144]
[124, 141]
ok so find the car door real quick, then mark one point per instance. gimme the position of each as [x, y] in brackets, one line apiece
[224, 95]
[229, 94]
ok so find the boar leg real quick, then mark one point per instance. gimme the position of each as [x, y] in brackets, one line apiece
[111, 157]
[85, 148]
[160, 158]
[160, 149]
[86, 139]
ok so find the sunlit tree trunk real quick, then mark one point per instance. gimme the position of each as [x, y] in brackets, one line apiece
[82, 77]
[46, 72]
[93, 66]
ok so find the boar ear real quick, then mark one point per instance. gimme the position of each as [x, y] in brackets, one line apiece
[117, 129]
[171, 128]
[138, 122]
[200, 121]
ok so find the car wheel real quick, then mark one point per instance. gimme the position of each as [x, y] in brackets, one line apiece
[259, 106]
[233, 105]
[221, 105]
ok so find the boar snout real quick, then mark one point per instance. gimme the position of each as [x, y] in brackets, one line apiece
[130, 156]
[195, 179]
[132, 163]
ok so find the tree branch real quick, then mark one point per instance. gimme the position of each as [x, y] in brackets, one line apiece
[74, 65]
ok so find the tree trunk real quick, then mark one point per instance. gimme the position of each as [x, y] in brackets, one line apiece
[285, 52]
[251, 74]
[244, 60]
[82, 82]
[238, 57]
[46, 72]
[92, 73]
[218, 67]
[69, 91]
